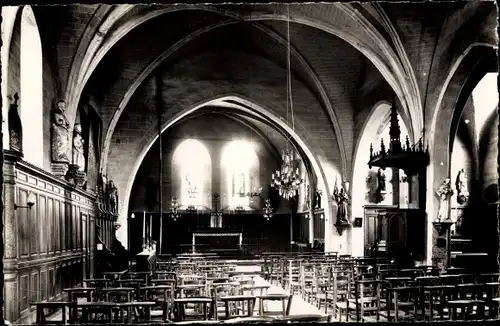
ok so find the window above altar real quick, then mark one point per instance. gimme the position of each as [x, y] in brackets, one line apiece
[192, 169]
[240, 173]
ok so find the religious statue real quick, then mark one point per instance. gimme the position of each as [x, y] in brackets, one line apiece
[381, 181]
[342, 201]
[461, 185]
[112, 196]
[78, 157]
[15, 126]
[444, 192]
[317, 200]
[60, 133]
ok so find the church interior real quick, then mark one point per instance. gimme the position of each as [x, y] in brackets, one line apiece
[237, 163]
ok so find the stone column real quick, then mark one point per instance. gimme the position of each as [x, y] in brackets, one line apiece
[10, 235]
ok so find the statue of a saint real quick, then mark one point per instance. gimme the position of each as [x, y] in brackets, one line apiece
[15, 126]
[461, 186]
[342, 201]
[60, 133]
[381, 181]
[78, 157]
[317, 201]
[444, 192]
[112, 198]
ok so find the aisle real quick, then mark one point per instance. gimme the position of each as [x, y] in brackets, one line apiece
[299, 305]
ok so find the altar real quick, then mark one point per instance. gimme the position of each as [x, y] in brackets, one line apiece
[217, 239]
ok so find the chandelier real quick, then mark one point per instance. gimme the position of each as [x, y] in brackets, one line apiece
[268, 210]
[287, 179]
[174, 208]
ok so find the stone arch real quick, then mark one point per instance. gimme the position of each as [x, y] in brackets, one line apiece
[388, 63]
[31, 91]
[9, 14]
[375, 123]
[249, 108]
[440, 126]
[146, 72]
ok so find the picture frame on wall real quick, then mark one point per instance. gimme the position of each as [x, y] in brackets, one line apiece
[358, 222]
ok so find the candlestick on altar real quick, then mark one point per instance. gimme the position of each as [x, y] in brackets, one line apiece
[150, 226]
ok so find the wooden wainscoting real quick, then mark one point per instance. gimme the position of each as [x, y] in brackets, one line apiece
[51, 243]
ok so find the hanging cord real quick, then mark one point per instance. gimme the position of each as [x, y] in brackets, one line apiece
[289, 69]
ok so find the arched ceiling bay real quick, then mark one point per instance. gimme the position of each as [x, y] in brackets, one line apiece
[332, 80]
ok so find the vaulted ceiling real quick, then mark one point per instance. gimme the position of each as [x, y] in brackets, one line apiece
[344, 59]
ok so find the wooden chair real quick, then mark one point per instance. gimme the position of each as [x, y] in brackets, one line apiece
[181, 303]
[366, 301]
[308, 287]
[245, 305]
[401, 303]
[41, 317]
[286, 303]
[97, 312]
[466, 309]
[342, 281]
[135, 312]
[433, 299]
[218, 290]
[291, 279]
[163, 298]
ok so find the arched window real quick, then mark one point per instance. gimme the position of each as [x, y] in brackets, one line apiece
[31, 95]
[485, 99]
[192, 174]
[240, 171]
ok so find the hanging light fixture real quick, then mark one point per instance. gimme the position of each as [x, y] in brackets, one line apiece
[174, 208]
[287, 179]
[268, 210]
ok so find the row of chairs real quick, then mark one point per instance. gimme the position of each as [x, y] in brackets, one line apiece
[363, 289]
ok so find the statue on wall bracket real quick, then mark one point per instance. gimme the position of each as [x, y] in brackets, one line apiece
[112, 198]
[461, 186]
[444, 192]
[60, 139]
[15, 125]
[76, 171]
[317, 199]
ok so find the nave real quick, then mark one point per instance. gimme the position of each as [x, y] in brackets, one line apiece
[280, 287]
[134, 136]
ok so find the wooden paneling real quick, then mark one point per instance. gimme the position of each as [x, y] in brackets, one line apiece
[44, 284]
[51, 238]
[22, 215]
[24, 294]
[319, 224]
[34, 289]
[42, 223]
[50, 231]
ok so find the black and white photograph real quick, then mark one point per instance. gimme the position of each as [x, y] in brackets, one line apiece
[249, 163]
